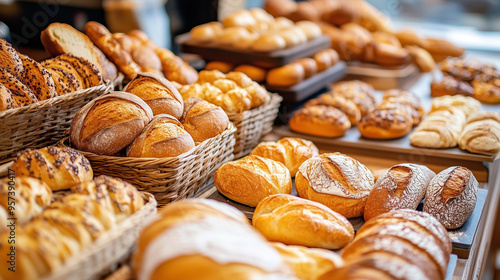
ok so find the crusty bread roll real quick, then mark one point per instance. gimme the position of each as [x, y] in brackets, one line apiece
[481, 133]
[287, 75]
[203, 120]
[451, 196]
[308, 263]
[231, 35]
[337, 101]
[109, 123]
[240, 79]
[22, 95]
[324, 60]
[252, 178]
[359, 92]
[38, 79]
[83, 70]
[386, 123]
[403, 186]
[292, 152]
[163, 137]
[297, 221]
[255, 73]
[320, 120]
[310, 66]
[218, 246]
[268, 42]
[450, 86]
[32, 197]
[400, 244]
[206, 32]
[280, 8]
[10, 60]
[385, 54]
[309, 28]
[158, 93]
[222, 66]
[59, 168]
[337, 181]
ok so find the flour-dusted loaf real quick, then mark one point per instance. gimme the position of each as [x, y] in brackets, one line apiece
[290, 151]
[403, 186]
[59, 168]
[252, 178]
[337, 181]
[451, 196]
[297, 221]
[109, 123]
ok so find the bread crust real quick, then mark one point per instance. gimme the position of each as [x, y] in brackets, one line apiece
[320, 120]
[10, 60]
[38, 79]
[203, 120]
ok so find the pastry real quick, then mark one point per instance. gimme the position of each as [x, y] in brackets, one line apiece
[450, 86]
[359, 92]
[337, 101]
[481, 133]
[320, 120]
[386, 124]
[422, 58]
[440, 129]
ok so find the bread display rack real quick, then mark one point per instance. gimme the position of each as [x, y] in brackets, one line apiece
[42, 123]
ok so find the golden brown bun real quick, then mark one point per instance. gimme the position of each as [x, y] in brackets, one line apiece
[337, 101]
[251, 179]
[386, 124]
[320, 120]
[206, 32]
[408, 37]
[268, 42]
[255, 73]
[311, 29]
[61, 38]
[310, 66]
[441, 49]
[386, 38]
[481, 133]
[10, 60]
[102, 38]
[224, 67]
[280, 8]
[67, 77]
[412, 241]
[297, 221]
[422, 58]
[59, 168]
[324, 60]
[109, 123]
[292, 152]
[258, 94]
[337, 181]
[175, 69]
[450, 86]
[287, 75]
[240, 79]
[390, 55]
[38, 79]
[234, 99]
[22, 95]
[403, 186]
[164, 136]
[305, 11]
[451, 196]
[147, 59]
[85, 70]
[359, 92]
[33, 196]
[158, 93]
[109, 71]
[396, 98]
[308, 263]
[203, 120]
[6, 99]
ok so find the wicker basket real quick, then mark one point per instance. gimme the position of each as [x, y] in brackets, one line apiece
[253, 124]
[109, 249]
[168, 179]
[42, 123]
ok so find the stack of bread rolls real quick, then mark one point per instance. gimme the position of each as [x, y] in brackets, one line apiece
[24, 81]
[444, 123]
[234, 92]
[470, 78]
[481, 133]
[214, 238]
[257, 30]
[68, 226]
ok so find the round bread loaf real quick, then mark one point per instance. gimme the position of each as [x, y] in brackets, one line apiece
[337, 181]
[163, 137]
[403, 186]
[310, 66]
[59, 168]
[386, 124]
[320, 120]
[203, 120]
[337, 101]
[287, 75]
[297, 221]
[252, 178]
[451, 196]
[109, 123]
[158, 93]
[268, 42]
[324, 60]
[292, 152]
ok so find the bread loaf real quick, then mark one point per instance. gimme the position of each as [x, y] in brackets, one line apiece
[422, 58]
[308, 263]
[158, 93]
[203, 120]
[255, 73]
[343, 104]
[451, 196]
[38, 79]
[252, 178]
[32, 197]
[481, 133]
[337, 181]
[109, 71]
[147, 59]
[21, 94]
[59, 168]
[403, 186]
[296, 221]
[359, 92]
[320, 120]
[7, 100]
[88, 72]
[287, 75]
[10, 60]
[67, 77]
[163, 137]
[386, 123]
[224, 67]
[109, 123]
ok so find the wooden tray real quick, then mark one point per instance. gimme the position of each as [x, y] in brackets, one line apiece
[461, 238]
[311, 85]
[272, 59]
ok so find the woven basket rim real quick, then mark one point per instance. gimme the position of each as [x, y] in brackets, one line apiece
[55, 100]
[74, 262]
[139, 160]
